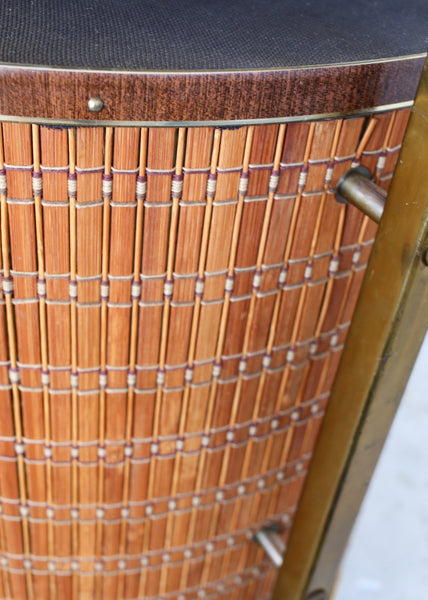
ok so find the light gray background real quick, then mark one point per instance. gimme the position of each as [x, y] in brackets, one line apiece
[387, 556]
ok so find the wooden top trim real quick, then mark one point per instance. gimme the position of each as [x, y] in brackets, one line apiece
[213, 96]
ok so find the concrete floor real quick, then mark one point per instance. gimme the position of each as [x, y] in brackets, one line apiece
[387, 557]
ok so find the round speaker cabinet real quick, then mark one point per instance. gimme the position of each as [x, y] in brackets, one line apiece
[178, 279]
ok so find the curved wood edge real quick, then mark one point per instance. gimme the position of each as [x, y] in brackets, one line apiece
[213, 96]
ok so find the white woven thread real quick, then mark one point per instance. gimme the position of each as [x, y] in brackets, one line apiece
[328, 175]
[302, 178]
[3, 186]
[19, 448]
[216, 370]
[131, 379]
[141, 188]
[356, 256]
[199, 288]
[308, 271]
[211, 186]
[177, 186]
[230, 436]
[72, 187]
[13, 376]
[242, 365]
[7, 286]
[282, 277]
[160, 378]
[252, 430]
[291, 354]
[257, 280]
[273, 182]
[73, 290]
[228, 286]
[243, 186]
[107, 187]
[334, 264]
[136, 288]
[266, 361]
[167, 288]
[381, 163]
[41, 287]
[105, 287]
[37, 186]
[313, 348]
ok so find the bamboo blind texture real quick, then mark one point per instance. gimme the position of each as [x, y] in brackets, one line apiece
[174, 305]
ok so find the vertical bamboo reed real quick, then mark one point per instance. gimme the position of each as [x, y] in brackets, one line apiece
[41, 289]
[135, 293]
[17, 212]
[54, 284]
[106, 192]
[12, 538]
[73, 374]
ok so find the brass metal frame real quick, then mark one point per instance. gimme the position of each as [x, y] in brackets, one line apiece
[356, 188]
[387, 330]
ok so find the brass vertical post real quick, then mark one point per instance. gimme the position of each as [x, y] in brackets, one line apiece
[388, 327]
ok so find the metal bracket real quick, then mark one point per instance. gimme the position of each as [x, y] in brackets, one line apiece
[356, 187]
[272, 544]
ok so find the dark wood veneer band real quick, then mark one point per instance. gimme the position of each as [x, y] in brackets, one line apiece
[63, 94]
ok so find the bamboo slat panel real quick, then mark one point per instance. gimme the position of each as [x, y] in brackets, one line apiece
[173, 308]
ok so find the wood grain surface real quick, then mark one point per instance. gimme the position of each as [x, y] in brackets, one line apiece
[211, 96]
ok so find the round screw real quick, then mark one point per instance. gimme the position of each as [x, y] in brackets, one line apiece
[95, 104]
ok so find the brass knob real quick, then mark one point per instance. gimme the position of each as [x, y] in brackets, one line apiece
[95, 104]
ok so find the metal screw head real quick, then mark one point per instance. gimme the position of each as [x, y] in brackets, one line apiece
[95, 104]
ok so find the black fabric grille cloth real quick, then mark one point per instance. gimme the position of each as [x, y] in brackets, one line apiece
[208, 35]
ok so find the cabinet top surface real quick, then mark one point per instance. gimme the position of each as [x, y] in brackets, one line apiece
[191, 35]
